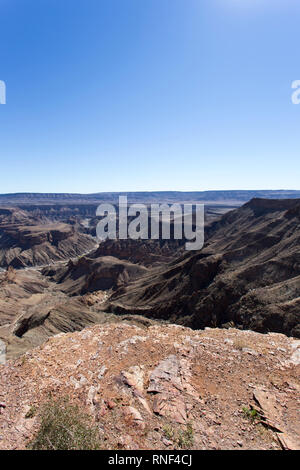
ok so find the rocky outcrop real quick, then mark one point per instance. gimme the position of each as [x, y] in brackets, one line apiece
[161, 387]
[30, 235]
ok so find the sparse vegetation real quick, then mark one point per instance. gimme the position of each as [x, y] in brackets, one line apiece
[266, 434]
[186, 437]
[169, 432]
[240, 344]
[251, 413]
[183, 438]
[23, 360]
[31, 412]
[63, 426]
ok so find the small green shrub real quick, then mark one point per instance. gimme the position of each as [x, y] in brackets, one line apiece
[63, 426]
[186, 438]
[182, 438]
[168, 432]
[251, 414]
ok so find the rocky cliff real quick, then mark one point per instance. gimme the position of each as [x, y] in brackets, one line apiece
[32, 243]
[247, 275]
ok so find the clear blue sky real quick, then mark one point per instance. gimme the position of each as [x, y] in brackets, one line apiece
[124, 95]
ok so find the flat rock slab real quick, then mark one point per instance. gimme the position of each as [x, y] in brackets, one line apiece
[171, 407]
[166, 376]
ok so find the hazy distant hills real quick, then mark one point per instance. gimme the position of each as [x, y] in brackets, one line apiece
[217, 197]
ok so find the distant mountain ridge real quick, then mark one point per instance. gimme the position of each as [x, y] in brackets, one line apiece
[219, 197]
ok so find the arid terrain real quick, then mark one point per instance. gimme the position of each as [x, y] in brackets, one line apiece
[150, 230]
[121, 327]
[157, 386]
[247, 275]
[27, 240]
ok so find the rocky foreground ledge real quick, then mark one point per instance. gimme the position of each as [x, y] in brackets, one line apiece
[161, 387]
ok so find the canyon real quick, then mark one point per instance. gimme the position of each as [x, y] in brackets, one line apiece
[171, 328]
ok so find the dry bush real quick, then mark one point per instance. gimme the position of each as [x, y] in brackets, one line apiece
[63, 426]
